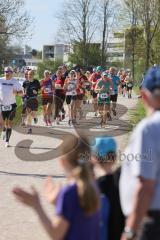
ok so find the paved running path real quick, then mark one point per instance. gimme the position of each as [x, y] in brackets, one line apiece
[32, 157]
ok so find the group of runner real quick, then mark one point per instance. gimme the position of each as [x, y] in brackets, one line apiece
[74, 87]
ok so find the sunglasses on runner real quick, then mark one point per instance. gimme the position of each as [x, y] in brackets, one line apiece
[8, 71]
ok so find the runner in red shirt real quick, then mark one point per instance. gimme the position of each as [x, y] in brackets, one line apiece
[59, 96]
[47, 88]
[81, 79]
[94, 79]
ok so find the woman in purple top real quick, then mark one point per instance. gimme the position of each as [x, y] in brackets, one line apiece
[77, 204]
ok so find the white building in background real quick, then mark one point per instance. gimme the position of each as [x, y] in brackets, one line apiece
[57, 52]
[32, 63]
[116, 47]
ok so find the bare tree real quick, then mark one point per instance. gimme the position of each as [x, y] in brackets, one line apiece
[79, 22]
[14, 20]
[107, 20]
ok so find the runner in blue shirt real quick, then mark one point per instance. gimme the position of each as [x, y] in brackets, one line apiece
[114, 93]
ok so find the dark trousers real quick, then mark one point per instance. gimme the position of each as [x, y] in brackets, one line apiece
[151, 227]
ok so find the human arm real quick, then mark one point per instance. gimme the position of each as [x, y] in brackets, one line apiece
[17, 89]
[143, 169]
[57, 228]
[142, 200]
[99, 88]
[51, 190]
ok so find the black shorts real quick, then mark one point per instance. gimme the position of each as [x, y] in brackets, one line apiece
[114, 97]
[93, 94]
[47, 100]
[9, 115]
[123, 85]
[32, 104]
[80, 97]
[70, 98]
[88, 88]
[129, 88]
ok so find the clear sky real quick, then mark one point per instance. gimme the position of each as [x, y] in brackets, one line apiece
[45, 23]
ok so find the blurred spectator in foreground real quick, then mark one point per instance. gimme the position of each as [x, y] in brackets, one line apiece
[76, 205]
[140, 177]
[104, 159]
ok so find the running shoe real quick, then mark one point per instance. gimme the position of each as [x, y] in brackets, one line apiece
[114, 112]
[3, 135]
[80, 114]
[29, 131]
[109, 117]
[102, 124]
[46, 123]
[35, 120]
[63, 116]
[60, 118]
[69, 122]
[49, 123]
[7, 144]
[57, 121]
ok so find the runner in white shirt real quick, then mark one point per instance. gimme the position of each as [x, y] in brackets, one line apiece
[9, 88]
[70, 87]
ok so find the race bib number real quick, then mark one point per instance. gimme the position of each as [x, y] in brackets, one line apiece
[104, 95]
[6, 108]
[47, 90]
[112, 92]
[130, 85]
[58, 86]
[71, 93]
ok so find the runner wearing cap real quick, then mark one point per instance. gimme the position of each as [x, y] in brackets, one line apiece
[31, 88]
[94, 79]
[9, 89]
[47, 88]
[103, 88]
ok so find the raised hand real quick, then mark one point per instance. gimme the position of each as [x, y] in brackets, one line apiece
[51, 190]
[29, 199]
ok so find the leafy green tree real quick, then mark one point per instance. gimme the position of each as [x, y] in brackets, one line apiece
[47, 65]
[93, 57]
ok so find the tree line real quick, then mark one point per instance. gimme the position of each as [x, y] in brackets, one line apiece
[87, 24]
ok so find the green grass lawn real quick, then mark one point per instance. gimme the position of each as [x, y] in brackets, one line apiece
[18, 111]
[139, 113]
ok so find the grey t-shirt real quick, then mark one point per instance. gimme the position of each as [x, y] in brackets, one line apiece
[141, 158]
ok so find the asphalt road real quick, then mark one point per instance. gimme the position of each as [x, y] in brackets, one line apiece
[33, 157]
